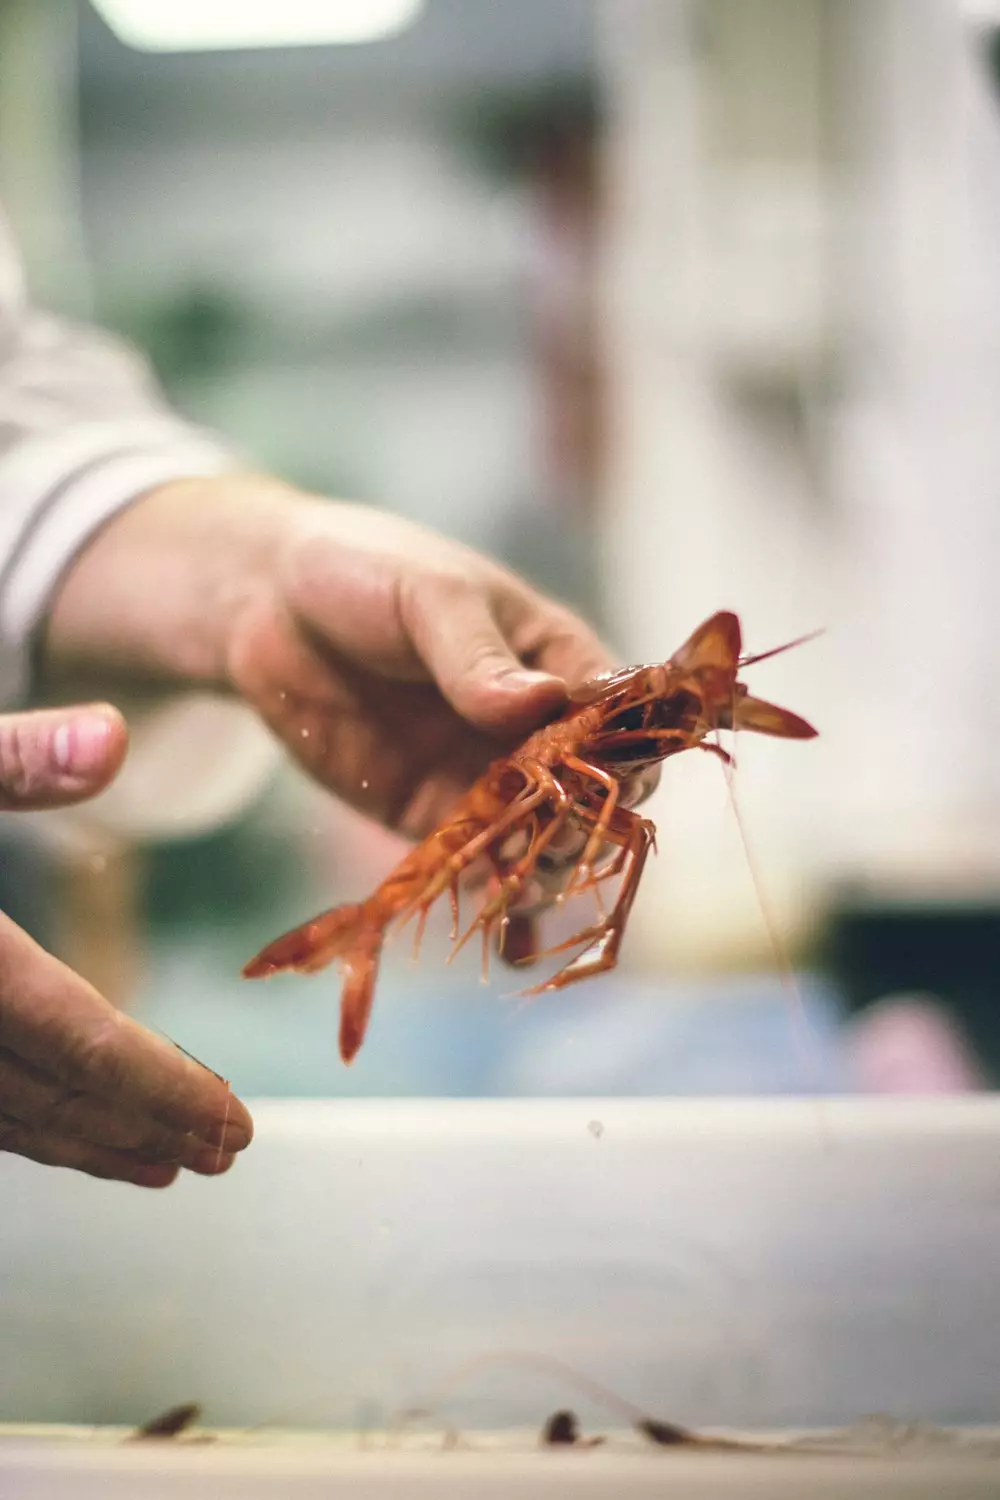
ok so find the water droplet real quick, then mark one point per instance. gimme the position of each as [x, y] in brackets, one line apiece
[304, 733]
[364, 785]
[596, 1129]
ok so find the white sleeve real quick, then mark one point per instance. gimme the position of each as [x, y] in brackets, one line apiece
[84, 431]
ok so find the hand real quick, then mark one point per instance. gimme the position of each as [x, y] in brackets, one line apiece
[392, 663]
[81, 1084]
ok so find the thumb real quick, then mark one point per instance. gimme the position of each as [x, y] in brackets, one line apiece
[467, 654]
[55, 757]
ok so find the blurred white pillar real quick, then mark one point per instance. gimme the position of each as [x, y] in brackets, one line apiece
[713, 324]
[916, 451]
[803, 333]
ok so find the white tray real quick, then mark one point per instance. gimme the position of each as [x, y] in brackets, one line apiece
[33, 1473]
[761, 1265]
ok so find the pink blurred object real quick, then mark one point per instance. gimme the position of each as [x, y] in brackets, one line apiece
[907, 1044]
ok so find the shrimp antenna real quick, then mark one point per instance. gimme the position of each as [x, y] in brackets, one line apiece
[748, 661]
[786, 967]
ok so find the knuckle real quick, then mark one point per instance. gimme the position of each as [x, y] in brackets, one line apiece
[565, 622]
[449, 584]
[53, 1150]
[566, 630]
[430, 592]
[163, 1147]
[97, 1059]
[61, 1111]
[480, 653]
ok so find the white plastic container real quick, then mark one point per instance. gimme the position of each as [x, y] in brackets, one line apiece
[759, 1265]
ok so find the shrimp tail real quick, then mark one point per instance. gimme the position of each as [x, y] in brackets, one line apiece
[352, 933]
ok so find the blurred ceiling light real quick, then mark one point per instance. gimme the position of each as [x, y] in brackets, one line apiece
[213, 25]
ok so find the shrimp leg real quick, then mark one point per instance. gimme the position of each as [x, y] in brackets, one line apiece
[511, 883]
[603, 941]
[583, 874]
[535, 792]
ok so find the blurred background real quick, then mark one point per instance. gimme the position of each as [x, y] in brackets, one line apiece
[672, 305]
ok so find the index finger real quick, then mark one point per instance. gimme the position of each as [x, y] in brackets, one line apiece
[56, 1021]
[554, 639]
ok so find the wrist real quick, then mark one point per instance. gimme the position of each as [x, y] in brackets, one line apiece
[155, 593]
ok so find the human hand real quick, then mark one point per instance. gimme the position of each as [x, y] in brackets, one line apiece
[395, 664]
[391, 662]
[81, 1084]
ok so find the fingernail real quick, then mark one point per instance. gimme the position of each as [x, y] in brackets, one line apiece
[80, 745]
[522, 680]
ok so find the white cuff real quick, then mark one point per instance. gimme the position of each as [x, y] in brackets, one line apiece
[55, 493]
[194, 760]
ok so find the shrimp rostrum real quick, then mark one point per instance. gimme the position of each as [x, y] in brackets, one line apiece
[553, 818]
